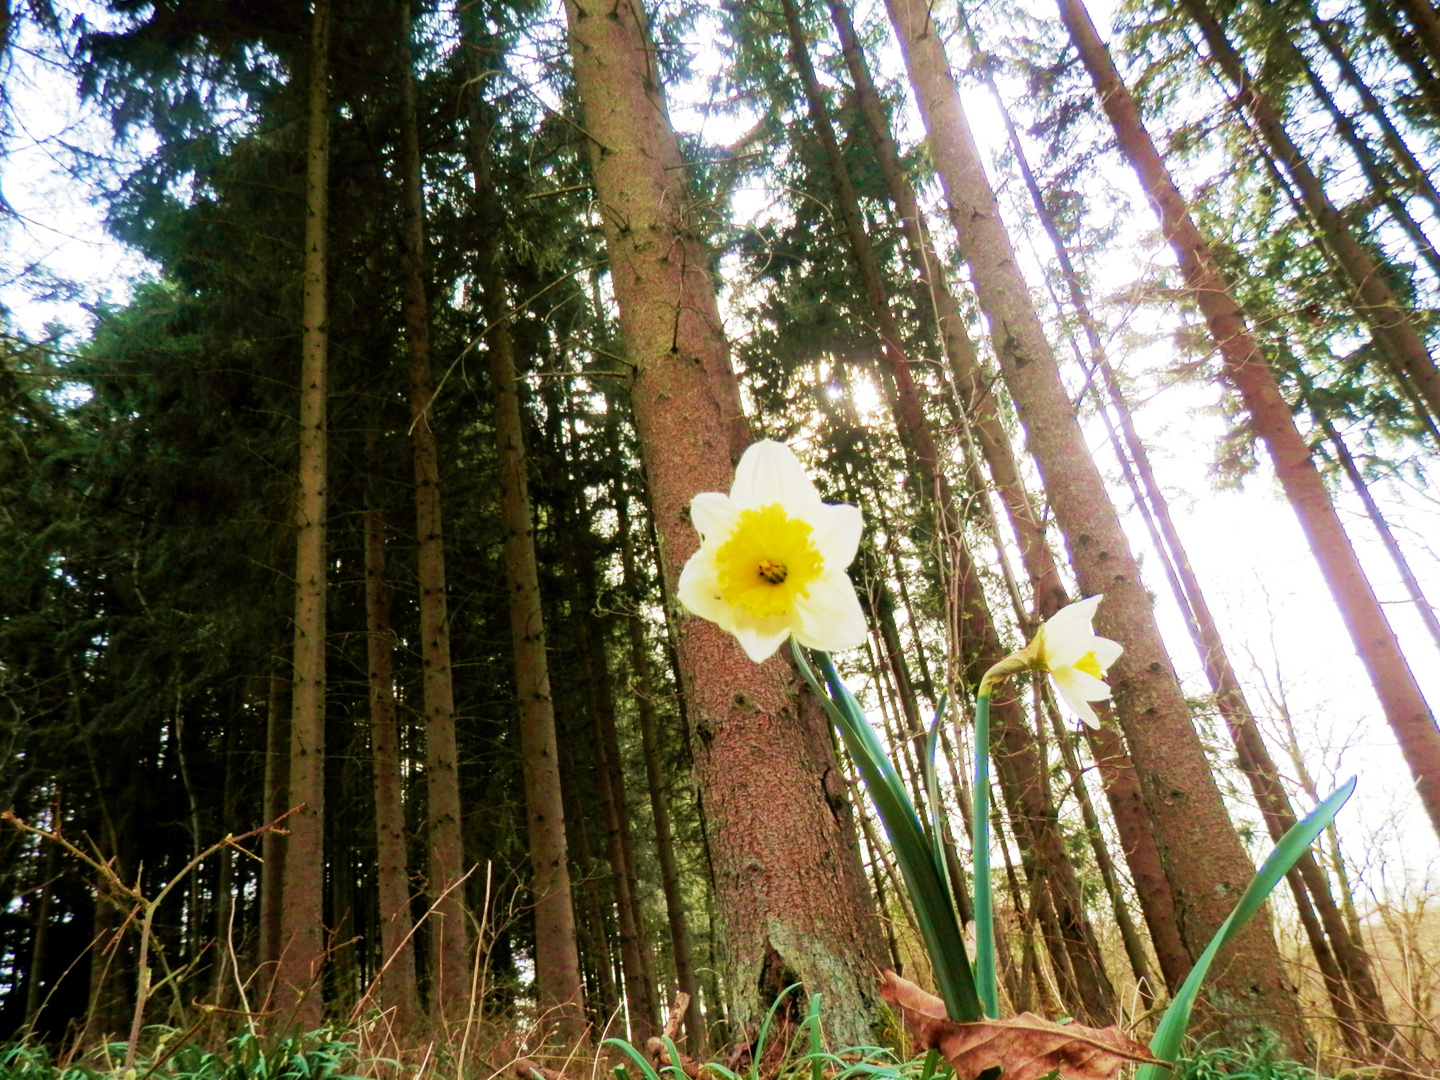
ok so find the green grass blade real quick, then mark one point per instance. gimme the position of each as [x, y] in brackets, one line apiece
[914, 853]
[1170, 1035]
[646, 1069]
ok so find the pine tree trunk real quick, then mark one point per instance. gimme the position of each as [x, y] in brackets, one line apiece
[1375, 303]
[1247, 370]
[695, 1036]
[1129, 934]
[787, 871]
[981, 642]
[1203, 859]
[557, 959]
[272, 845]
[301, 943]
[645, 1010]
[397, 954]
[451, 964]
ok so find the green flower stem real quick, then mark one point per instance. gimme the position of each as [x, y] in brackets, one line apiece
[980, 860]
[923, 874]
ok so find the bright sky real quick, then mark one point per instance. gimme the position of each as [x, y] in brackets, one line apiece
[1245, 544]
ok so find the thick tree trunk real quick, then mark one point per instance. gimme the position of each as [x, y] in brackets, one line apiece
[450, 977]
[643, 690]
[301, 955]
[397, 954]
[1375, 303]
[787, 871]
[1204, 861]
[1246, 368]
[557, 960]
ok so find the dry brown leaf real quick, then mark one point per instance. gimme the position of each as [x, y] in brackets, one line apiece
[1024, 1047]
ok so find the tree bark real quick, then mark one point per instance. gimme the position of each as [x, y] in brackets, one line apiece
[397, 954]
[557, 960]
[1203, 859]
[1375, 303]
[301, 943]
[1246, 368]
[450, 950]
[980, 643]
[787, 869]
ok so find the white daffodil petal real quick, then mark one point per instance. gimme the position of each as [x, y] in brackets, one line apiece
[699, 591]
[1106, 651]
[714, 516]
[1080, 684]
[760, 642]
[1079, 706]
[837, 528]
[830, 617]
[769, 472]
[1070, 623]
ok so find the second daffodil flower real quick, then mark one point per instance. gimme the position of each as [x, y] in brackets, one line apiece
[772, 559]
[1074, 655]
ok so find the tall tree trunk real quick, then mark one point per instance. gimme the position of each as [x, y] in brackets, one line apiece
[1374, 301]
[1204, 861]
[557, 959]
[448, 931]
[276, 799]
[1245, 366]
[301, 943]
[643, 690]
[397, 954]
[787, 870]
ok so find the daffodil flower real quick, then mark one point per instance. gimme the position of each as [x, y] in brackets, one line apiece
[772, 559]
[1068, 648]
